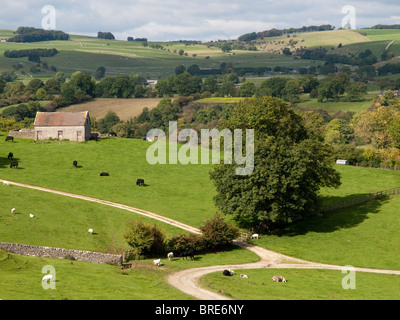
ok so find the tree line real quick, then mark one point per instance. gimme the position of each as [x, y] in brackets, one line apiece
[33, 55]
[30, 34]
[279, 32]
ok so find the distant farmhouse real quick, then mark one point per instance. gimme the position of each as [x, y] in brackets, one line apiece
[73, 126]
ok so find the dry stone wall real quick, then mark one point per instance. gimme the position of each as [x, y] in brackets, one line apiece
[37, 251]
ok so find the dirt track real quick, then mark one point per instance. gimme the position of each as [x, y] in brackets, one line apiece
[187, 280]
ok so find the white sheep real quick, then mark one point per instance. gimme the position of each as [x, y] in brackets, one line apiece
[13, 210]
[254, 236]
[278, 279]
[6, 183]
[90, 231]
[157, 262]
[170, 256]
[31, 215]
[243, 276]
[48, 277]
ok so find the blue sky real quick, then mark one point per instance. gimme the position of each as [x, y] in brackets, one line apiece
[191, 20]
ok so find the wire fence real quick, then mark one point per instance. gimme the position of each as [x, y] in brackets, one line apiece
[361, 199]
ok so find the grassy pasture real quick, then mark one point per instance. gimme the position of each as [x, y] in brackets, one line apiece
[333, 106]
[361, 236]
[303, 284]
[64, 221]
[182, 192]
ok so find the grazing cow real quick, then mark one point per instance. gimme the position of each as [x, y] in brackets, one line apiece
[278, 279]
[189, 253]
[170, 256]
[255, 236]
[228, 273]
[75, 163]
[140, 182]
[112, 134]
[104, 174]
[10, 155]
[9, 138]
[14, 165]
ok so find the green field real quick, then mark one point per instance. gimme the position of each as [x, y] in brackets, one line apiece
[75, 280]
[342, 104]
[182, 192]
[345, 237]
[303, 284]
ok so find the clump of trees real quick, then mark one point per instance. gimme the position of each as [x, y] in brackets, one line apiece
[30, 34]
[105, 35]
[33, 55]
[147, 240]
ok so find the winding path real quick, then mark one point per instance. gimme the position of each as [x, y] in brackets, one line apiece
[187, 280]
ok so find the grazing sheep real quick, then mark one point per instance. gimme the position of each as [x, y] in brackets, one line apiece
[31, 215]
[157, 262]
[47, 277]
[6, 183]
[228, 273]
[13, 210]
[255, 236]
[278, 279]
[90, 231]
[170, 256]
[243, 276]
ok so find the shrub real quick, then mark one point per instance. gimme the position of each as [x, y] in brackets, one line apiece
[145, 239]
[217, 233]
[184, 242]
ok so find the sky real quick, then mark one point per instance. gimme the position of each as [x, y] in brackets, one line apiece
[205, 20]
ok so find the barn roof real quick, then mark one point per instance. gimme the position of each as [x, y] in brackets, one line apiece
[57, 119]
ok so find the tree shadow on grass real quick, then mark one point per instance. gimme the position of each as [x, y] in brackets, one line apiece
[332, 221]
[5, 162]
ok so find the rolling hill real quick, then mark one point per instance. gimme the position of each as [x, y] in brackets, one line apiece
[159, 60]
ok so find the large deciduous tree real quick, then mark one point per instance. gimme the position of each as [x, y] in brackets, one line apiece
[291, 164]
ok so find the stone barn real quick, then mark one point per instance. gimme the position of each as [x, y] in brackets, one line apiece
[74, 126]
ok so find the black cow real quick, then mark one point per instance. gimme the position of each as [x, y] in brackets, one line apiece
[10, 155]
[104, 174]
[189, 253]
[14, 164]
[228, 273]
[9, 138]
[140, 182]
[75, 163]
